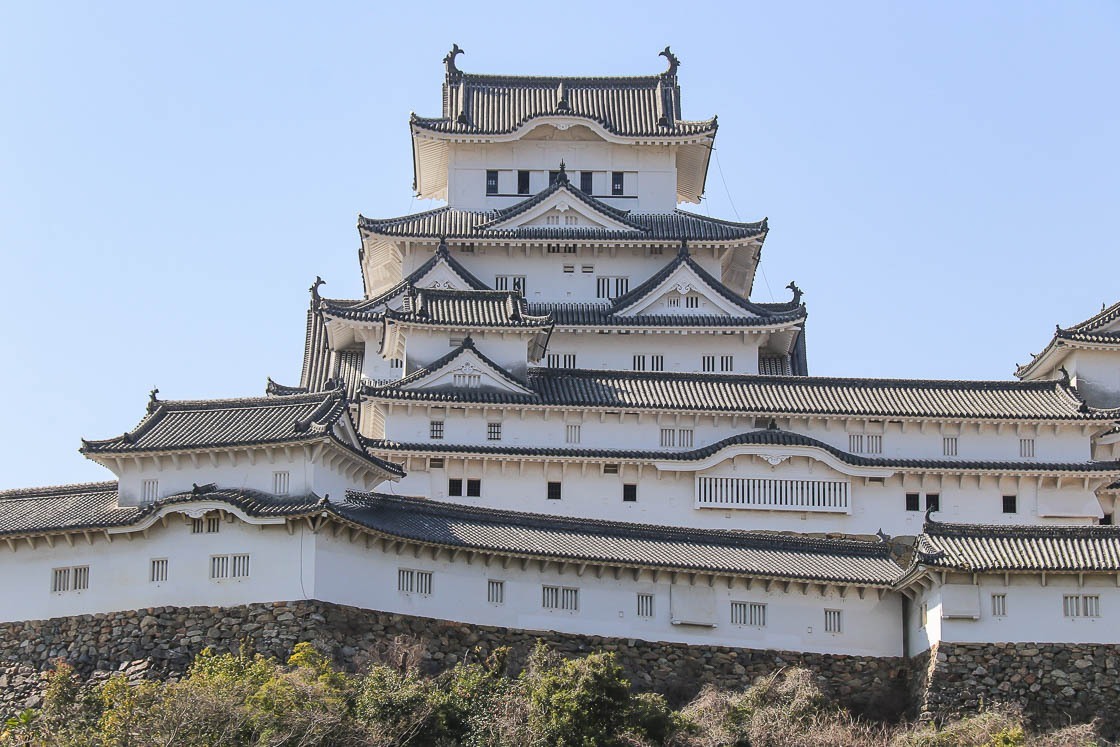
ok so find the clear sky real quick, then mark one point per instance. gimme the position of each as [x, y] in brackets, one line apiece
[942, 179]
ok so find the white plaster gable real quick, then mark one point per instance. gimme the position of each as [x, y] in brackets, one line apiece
[467, 370]
[765, 458]
[563, 206]
[682, 281]
[439, 276]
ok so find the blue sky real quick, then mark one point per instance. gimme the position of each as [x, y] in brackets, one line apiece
[942, 179]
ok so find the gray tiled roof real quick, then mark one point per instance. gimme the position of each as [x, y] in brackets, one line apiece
[470, 308]
[1086, 332]
[780, 395]
[562, 184]
[1020, 548]
[638, 106]
[601, 315]
[584, 540]
[454, 223]
[172, 425]
[768, 437]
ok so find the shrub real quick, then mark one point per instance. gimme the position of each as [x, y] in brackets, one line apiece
[578, 702]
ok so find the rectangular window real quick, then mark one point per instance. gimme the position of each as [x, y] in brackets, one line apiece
[726, 363]
[585, 181]
[491, 182]
[833, 622]
[213, 524]
[1071, 605]
[692, 302]
[611, 286]
[455, 487]
[157, 572]
[610, 469]
[280, 482]
[559, 598]
[522, 182]
[999, 605]
[554, 491]
[571, 434]
[496, 592]
[645, 605]
[668, 437]
[913, 502]
[150, 490]
[933, 502]
[639, 363]
[81, 578]
[60, 580]
[435, 463]
[569, 269]
[855, 443]
[618, 183]
[474, 488]
[708, 363]
[396, 363]
[219, 566]
[552, 220]
[571, 220]
[630, 493]
[874, 444]
[1090, 605]
[685, 437]
[414, 582]
[198, 526]
[756, 614]
[510, 282]
[657, 363]
[240, 566]
[1010, 504]
[560, 360]
[949, 446]
[493, 431]
[435, 429]
[1026, 448]
[924, 616]
[673, 302]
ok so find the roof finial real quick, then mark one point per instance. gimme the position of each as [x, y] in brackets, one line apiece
[562, 175]
[562, 104]
[929, 510]
[449, 61]
[153, 403]
[315, 288]
[442, 249]
[1065, 375]
[797, 293]
[884, 538]
[772, 425]
[674, 62]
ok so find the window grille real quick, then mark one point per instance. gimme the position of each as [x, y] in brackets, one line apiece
[150, 490]
[435, 429]
[158, 571]
[708, 363]
[611, 286]
[587, 269]
[1010, 504]
[673, 301]
[493, 431]
[773, 494]
[657, 363]
[1091, 605]
[617, 183]
[933, 502]
[913, 502]
[726, 363]
[585, 181]
[219, 566]
[560, 360]
[552, 220]
[467, 380]
[280, 482]
[560, 598]
[949, 445]
[571, 220]
[645, 605]
[455, 487]
[491, 182]
[630, 493]
[435, 463]
[240, 566]
[213, 524]
[999, 605]
[474, 488]
[511, 282]
[874, 444]
[569, 269]
[496, 592]
[1088, 605]
[610, 469]
[639, 363]
[198, 526]
[554, 489]
[60, 579]
[1071, 605]
[668, 437]
[1026, 448]
[571, 434]
[396, 363]
[833, 622]
[855, 443]
[411, 581]
[691, 302]
[685, 437]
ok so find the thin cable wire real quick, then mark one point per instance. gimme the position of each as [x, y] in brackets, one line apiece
[735, 210]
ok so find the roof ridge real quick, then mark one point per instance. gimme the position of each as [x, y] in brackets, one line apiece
[47, 491]
[763, 224]
[947, 529]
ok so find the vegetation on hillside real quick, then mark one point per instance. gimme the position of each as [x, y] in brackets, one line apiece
[243, 699]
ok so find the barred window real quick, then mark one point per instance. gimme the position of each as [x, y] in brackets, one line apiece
[1010, 504]
[571, 433]
[999, 605]
[396, 363]
[668, 437]
[692, 302]
[645, 605]
[411, 581]
[657, 363]
[229, 566]
[60, 579]
[219, 566]
[435, 429]
[435, 463]
[949, 446]
[491, 182]
[748, 613]
[1026, 448]
[280, 482]
[610, 469]
[493, 431]
[726, 363]
[213, 524]
[474, 488]
[150, 490]
[560, 598]
[496, 592]
[157, 573]
[685, 438]
[554, 491]
[874, 444]
[708, 363]
[639, 363]
[1087, 605]
[673, 301]
[560, 360]
[833, 621]
[855, 443]
[510, 282]
[913, 502]
[240, 566]
[455, 486]
[198, 526]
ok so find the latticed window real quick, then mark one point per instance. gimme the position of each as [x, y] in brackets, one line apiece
[219, 566]
[554, 491]
[657, 363]
[999, 605]
[150, 490]
[685, 438]
[949, 446]
[1077, 605]
[1026, 448]
[668, 437]
[158, 571]
[511, 282]
[493, 431]
[75, 578]
[560, 598]
[691, 302]
[708, 363]
[435, 429]
[855, 443]
[491, 182]
[412, 581]
[280, 482]
[239, 566]
[874, 444]
[645, 605]
[496, 592]
[572, 433]
[726, 363]
[639, 363]
[213, 524]
[833, 621]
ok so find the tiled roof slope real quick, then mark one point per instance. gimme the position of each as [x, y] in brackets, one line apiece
[768, 437]
[639, 106]
[453, 223]
[602, 314]
[1088, 332]
[781, 395]
[561, 538]
[1019, 548]
[75, 508]
[172, 425]
[562, 184]
[468, 309]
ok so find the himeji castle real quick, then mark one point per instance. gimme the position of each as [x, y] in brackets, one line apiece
[556, 407]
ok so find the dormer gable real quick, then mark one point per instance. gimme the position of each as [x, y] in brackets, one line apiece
[561, 204]
[467, 369]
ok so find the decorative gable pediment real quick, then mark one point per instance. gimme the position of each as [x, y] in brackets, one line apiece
[563, 208]
[683, 291]
[441, 276]
[467, 369]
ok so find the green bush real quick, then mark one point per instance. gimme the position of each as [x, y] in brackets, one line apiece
[578, 702]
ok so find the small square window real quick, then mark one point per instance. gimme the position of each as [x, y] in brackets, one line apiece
[833, 621]
[913, 502]
[455, 487]
[630, 493]
[435, 429]
[999, 605]
[157, 573]
[493, 431]
[645, 605]
[1010, 504]
[949, 446]
[554, 491]
[474, 488]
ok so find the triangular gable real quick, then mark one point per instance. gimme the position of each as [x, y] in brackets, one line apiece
[667, 292]
[562, 202]
[465, 368]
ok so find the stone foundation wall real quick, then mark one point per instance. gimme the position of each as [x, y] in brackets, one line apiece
[161, 642]
[1055, 684]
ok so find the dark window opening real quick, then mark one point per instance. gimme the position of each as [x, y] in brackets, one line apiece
[455, 487]
[474, 488]
[616, 183]
[1106, 520]
[554, 491]
[1010, 504]
[585, 181]
[912, 502]
[552, 177]
[933, 502]
[629, 493]
[491, 182]
[522, 182]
